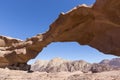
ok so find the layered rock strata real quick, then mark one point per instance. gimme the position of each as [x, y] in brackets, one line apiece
[97, 26]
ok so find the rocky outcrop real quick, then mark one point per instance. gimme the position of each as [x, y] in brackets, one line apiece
[106, 65]
[61, 65]
[5, 43]
[8, 41]
[115, 62]
[97, 26]
[96, 68]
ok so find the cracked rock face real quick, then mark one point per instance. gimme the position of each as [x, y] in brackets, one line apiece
[97, 26]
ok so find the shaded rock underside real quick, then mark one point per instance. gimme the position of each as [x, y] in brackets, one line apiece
[97, 26]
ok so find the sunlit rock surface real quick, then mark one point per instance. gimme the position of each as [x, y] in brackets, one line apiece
[62, 65]
[97, 26]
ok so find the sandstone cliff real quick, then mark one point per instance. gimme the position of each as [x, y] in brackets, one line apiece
[97, 26]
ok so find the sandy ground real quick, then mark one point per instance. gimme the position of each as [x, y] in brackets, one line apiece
[6, 74]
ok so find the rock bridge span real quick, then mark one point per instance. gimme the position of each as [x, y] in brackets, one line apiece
[97, 26]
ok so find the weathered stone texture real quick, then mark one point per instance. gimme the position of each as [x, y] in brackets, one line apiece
[97, 26]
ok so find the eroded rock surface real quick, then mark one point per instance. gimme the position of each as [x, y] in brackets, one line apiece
[62, 65]
[97, 26]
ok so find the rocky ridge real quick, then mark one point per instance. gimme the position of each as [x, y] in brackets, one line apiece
[115, 62]
[75, 70]
[97, 26]
[61, 65]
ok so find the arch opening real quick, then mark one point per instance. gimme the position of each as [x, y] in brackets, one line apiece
[71, 51]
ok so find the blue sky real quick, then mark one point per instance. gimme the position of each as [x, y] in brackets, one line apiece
[26, 18]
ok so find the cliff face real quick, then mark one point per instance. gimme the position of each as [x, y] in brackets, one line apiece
[97, 26]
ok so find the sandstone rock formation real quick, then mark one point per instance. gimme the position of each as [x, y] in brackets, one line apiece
[5, 43]
[97, 26]
[70, 70]
[61, 65]
[96, 68]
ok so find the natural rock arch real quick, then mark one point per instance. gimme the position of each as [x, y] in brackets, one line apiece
[97, 26]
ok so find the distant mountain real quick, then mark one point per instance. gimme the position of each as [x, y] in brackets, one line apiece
[62, 65]
[115, 62]
[105, 61]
